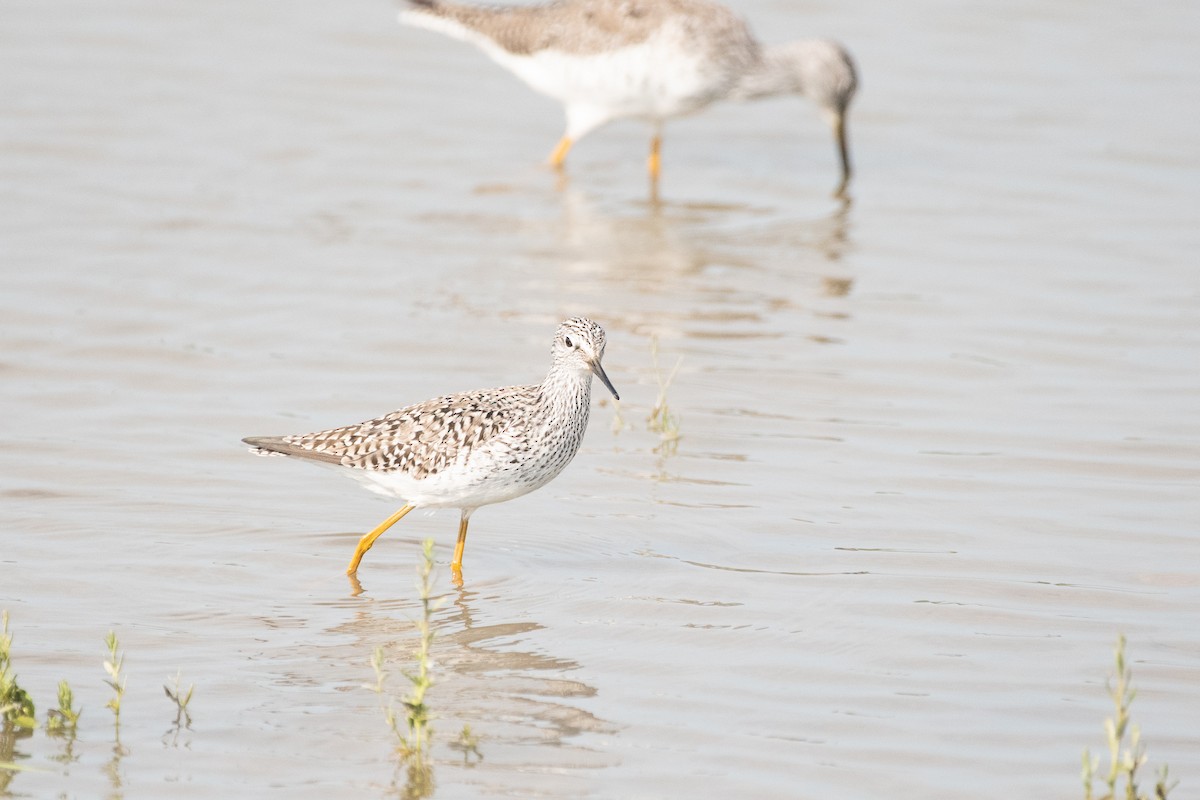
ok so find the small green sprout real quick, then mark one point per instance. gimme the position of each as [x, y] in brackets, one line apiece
[468, 744]
[661, 419]
[16, 706]
[1124, 760]
[113, 666]
[181, 699]
[65, 719]
[414, 735]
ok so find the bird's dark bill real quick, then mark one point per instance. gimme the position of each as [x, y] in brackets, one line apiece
[599, 370]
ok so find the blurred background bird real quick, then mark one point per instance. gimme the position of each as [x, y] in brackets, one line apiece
[646, 59]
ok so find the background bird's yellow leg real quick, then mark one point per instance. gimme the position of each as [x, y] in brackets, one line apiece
[654, 162]
[560, 152]
[364, 544]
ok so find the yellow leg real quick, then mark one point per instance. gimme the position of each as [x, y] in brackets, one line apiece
[461, 544]
[654, 162]
[559, 156]
[364, 544]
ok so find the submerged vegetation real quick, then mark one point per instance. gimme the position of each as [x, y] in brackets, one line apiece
[413, 737]
[16, 706]
[618, 421]
[661, 419]
[468, 745]
[113, 666]
[412, 727]
[414, 734]
[1125, 759]
[181, 699]
[63, 720]
[410, 718]
[18, 718]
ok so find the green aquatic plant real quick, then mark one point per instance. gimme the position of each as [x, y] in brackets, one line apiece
[181, 699]
[618, 423]
[661, 419]
[420, 731]
[380, 688]
[113, 666]
[416, 732]
[63, 723]
[17, 711]
[16, 706]
[420, 772]
[468, 744]
[412, 730]
[63, 720]
[1124, 759]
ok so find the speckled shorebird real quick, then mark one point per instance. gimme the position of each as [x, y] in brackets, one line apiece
[647, 59]
[466, 450]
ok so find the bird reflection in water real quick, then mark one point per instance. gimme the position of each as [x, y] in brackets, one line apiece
[488, 676]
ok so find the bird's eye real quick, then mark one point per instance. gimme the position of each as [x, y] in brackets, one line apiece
[567, 341]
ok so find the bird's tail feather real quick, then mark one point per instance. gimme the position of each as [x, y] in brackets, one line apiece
[440, 17]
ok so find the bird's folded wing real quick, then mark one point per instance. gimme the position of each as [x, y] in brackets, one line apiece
[420, 440]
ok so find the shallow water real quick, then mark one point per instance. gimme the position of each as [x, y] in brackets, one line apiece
[939, 445]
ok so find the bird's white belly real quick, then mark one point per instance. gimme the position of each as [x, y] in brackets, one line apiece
[655, 79]
[478, 479]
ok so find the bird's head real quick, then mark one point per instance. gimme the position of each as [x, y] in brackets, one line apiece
[579, 344]
[819, 69]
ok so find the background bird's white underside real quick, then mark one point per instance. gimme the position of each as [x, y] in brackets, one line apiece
[654, 80]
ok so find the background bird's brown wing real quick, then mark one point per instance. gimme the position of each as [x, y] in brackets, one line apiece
[577, 26]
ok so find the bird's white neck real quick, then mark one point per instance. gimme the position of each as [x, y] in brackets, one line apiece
[566, 389]
[819, 69]
[776, 72]
[564, 404]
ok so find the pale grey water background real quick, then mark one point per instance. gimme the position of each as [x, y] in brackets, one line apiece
[939, 447]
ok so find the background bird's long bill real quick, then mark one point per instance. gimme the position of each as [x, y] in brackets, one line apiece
[839, 133]
[599, 370]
